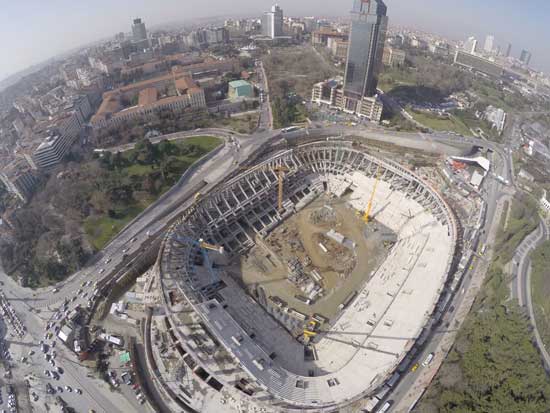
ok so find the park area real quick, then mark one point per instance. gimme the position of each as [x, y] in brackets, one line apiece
[436, 122]
[292, 72]
[86, 201]
[144, 174]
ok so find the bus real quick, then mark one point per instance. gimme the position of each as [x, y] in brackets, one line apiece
[290, 129]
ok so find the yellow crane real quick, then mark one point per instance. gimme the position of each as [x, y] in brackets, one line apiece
[280, 175]
[366, 216]
[207, 246]
[279, 170]
[309, 330]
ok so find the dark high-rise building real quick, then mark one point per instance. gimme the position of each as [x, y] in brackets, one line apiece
[139, 31]
[525, 57]
[366, 47]
[508, 50]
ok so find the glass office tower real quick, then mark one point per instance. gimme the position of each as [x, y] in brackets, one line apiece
[366, 46]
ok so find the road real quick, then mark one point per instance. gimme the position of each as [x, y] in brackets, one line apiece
[521, 283]
[174, 137]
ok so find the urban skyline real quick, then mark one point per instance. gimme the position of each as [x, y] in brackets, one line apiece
[278, 211]
[39, 46]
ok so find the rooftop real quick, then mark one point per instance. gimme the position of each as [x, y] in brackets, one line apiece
[47, 143]
[148, 96]
[238, 83]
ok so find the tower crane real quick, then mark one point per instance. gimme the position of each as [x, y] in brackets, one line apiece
[203, 247]
[367, 216]
[279, 170]
[280, 175]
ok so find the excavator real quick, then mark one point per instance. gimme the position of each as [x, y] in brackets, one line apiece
[310, 331]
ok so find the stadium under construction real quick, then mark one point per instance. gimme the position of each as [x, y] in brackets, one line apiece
[306, 282]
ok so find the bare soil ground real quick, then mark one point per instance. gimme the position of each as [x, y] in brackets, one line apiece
[343, 270]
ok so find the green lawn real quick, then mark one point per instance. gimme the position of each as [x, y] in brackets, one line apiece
[100, 229]
[139, 170]
[522, 221]
[207, 143]
[438, 123]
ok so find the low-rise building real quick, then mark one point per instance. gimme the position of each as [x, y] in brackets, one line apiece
[330, 93]
[60, 136]
[523, 174]
[339, 48]
[439, 48]
[371, 108]
[19, 179]
[239, 89]
[545, 203]
[113, 112]
[393, 57]
[478, 64]
[496, 117]
[321, 37]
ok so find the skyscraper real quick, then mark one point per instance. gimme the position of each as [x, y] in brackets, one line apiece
[525, 57]
[366, 47]
[470, 46]
[272, 22]
[139, 31]
[489, 44]
[508, 50]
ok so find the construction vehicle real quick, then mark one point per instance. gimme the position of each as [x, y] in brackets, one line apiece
[367, 214]
[309, 331]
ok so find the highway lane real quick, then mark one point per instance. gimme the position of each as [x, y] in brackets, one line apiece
[521, 283]
[74, 374]
[521, 262]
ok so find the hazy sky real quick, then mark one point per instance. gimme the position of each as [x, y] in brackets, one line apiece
[35, 30]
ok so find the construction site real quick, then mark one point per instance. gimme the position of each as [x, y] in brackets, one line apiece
[313, 275]
[314, 260]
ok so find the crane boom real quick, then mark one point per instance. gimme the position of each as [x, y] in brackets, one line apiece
[211, 247]
[367, 216]
[203, 246]
[280, 174]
